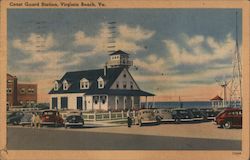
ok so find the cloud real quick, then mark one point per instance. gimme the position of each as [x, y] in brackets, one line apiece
[127, 39]
[135, 34]
[152, 63]
[35, 42]
[200, 49]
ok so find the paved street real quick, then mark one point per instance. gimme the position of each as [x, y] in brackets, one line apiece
[203, 136]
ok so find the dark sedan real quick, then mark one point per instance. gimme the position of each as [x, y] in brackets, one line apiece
[74, 121]
[182, 114]
[14, 118]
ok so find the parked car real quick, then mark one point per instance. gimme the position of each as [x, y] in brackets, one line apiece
[14, 118]
[182, 114]
[74, 120]
[26, 119]
[229, 117]
[210, 113]
[51, 117]
[197, 114]
[145, 116]
[163, 114]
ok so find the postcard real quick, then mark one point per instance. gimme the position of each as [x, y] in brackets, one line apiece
[124, 79]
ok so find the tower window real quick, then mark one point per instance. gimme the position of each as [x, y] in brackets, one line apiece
[124, 75]
[117, 85]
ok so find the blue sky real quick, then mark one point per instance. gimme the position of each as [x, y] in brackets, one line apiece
[177, 50]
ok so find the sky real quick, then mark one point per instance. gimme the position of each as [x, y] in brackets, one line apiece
[176, 52]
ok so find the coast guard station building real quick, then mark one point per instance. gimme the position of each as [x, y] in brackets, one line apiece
[110, 88]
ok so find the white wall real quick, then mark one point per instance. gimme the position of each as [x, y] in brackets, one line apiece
[91, 105]
[128, 79]
[72, 102]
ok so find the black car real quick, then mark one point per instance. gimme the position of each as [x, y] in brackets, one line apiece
[210, 113]
[74, 121]
[14, 118]
[182, 114]
[198, 114]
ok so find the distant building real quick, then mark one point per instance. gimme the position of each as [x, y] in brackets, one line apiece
[20, 94]
[217, 102]
[110, 88]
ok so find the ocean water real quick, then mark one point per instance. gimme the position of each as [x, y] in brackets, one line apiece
[187, 104]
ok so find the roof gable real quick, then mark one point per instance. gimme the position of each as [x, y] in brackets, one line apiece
[92, 75]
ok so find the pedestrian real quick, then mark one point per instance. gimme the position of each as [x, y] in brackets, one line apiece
[37, 120]
[33, 119]
[129, 118]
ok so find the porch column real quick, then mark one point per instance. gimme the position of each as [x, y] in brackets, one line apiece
[132, 102]
[146, 101]
[124, 102]
[116, 105]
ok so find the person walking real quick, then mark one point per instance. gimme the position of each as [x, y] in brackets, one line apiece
[33, 119]
[129, 118]
[37, 120]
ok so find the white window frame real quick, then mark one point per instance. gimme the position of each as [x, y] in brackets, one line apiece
[65, 85]
[56, 86]
[100, 83]
[84, 84]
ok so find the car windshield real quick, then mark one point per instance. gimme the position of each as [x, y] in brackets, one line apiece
[74, 117]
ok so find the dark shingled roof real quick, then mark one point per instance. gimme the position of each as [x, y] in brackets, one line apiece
[92, 75]
[119, 52]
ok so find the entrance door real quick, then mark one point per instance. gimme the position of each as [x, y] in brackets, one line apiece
[79, 103]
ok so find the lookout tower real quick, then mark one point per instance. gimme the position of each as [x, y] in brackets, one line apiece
[119, 59]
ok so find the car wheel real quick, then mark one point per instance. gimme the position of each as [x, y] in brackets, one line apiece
[158, 120]
[177, 120]
[227, 125]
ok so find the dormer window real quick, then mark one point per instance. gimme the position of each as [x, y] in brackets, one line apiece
[100, 82]
[65, 85]
[56, 86]
[84, 84]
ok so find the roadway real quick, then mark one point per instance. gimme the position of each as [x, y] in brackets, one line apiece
[203, 136]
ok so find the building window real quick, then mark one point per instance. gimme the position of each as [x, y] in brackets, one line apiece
[124, 75]
[79, 103]
[95, 99]
[31, 90]
[131, 85]
[56, 86]
[54, 102]
[9, 90]
[64, 102]
[117, 85]
[100, 83]
[103, 99]
[22, 91]
[124, 85]
[84, 84]
[65, 85]
[21, 102]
